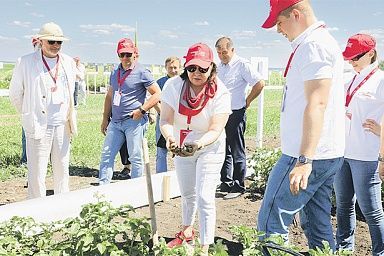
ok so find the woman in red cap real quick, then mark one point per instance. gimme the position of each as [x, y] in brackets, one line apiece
[358, 178]
[194, 110]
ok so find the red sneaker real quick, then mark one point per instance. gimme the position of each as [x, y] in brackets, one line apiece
[180, 238]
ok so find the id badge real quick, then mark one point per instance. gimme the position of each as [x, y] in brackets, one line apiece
[183, 134]
[117, 98]
[348, 114]
[57, 95]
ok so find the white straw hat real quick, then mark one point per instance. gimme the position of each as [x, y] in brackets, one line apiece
[51, 31]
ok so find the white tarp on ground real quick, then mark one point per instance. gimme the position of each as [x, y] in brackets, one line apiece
[62, 206]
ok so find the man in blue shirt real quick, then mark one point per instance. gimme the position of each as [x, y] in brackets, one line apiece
[172, 65]
[125, 100]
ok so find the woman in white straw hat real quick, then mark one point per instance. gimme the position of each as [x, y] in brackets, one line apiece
[42, 91]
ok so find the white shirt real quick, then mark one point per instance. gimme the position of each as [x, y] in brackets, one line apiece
[236, 76]
[219, 104]
[58, 101]
[366, 103]
[318, 56]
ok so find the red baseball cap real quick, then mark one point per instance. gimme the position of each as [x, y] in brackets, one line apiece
[358, 44]
[199, 54]
[276, 7]
[125, 45]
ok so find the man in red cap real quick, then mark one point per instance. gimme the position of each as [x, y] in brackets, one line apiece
[312, 127]
[126, 102]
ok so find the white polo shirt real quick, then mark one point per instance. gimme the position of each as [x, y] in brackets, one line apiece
[366, 103]
[236, 76]
[318, 56]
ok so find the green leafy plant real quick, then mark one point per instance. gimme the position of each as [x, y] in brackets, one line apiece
[261, 162]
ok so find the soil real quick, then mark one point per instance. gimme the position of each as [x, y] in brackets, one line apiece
[239, 211]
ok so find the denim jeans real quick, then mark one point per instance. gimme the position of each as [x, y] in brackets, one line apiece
[279, 205]
[117, 132]
[359, 180]
[23, 145]
[161, 153]
[76, 94]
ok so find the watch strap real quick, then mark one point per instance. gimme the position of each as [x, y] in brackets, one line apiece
[143, 112]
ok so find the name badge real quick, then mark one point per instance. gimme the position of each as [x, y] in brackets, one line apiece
[117, 98]
[183, 134]
[57, 95]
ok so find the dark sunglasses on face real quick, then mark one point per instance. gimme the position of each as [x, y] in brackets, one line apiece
[125, 54]
[51, 42]
[193, 68]
[359, 56]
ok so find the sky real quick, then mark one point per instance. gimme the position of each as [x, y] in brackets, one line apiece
[168, 27]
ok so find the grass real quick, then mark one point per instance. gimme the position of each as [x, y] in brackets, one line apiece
[86, 147]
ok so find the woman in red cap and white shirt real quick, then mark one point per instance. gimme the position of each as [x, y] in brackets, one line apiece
[359, 178]
[194, 110]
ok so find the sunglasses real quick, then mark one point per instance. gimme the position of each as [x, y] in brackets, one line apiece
[193, 68]
[359, 56]
[125, 54]
[51, 42]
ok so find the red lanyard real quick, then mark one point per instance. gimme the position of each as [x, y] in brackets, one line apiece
[349, 96]
[121, 81]
[54, 78]
[293, 54]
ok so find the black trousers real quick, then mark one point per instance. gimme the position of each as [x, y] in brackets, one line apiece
[234, 166]
[124, 154]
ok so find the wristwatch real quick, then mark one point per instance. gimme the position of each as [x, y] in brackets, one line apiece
[143, 112]
[380, 158]
[304, 160]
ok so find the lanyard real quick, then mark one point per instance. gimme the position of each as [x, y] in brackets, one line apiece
[287, 67]
[54, 78]
[121, 81]
[349, 95]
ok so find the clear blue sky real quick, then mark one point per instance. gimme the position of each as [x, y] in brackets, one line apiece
[168, 27]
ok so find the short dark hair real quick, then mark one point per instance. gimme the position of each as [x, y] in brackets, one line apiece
[374, 57]
[229, 43]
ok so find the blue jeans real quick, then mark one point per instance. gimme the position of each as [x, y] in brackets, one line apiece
[23, 145]
[76, 94]
[130, 130]
[279, 205]
[359, 180]
[161, 153]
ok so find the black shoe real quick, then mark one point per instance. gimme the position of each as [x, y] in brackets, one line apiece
[125, 173]
[224, 188]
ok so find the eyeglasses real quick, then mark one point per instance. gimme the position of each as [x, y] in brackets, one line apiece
[51, 42]
[359, 56]
[193, 68]
[125, 54]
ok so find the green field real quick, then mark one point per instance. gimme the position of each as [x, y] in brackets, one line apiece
[86, 147]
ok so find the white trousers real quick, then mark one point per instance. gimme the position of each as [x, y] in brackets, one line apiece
[198, 177]
[56, 144]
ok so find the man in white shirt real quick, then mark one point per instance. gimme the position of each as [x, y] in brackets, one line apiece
[41, 89]
[311, 124]
[237, 74]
